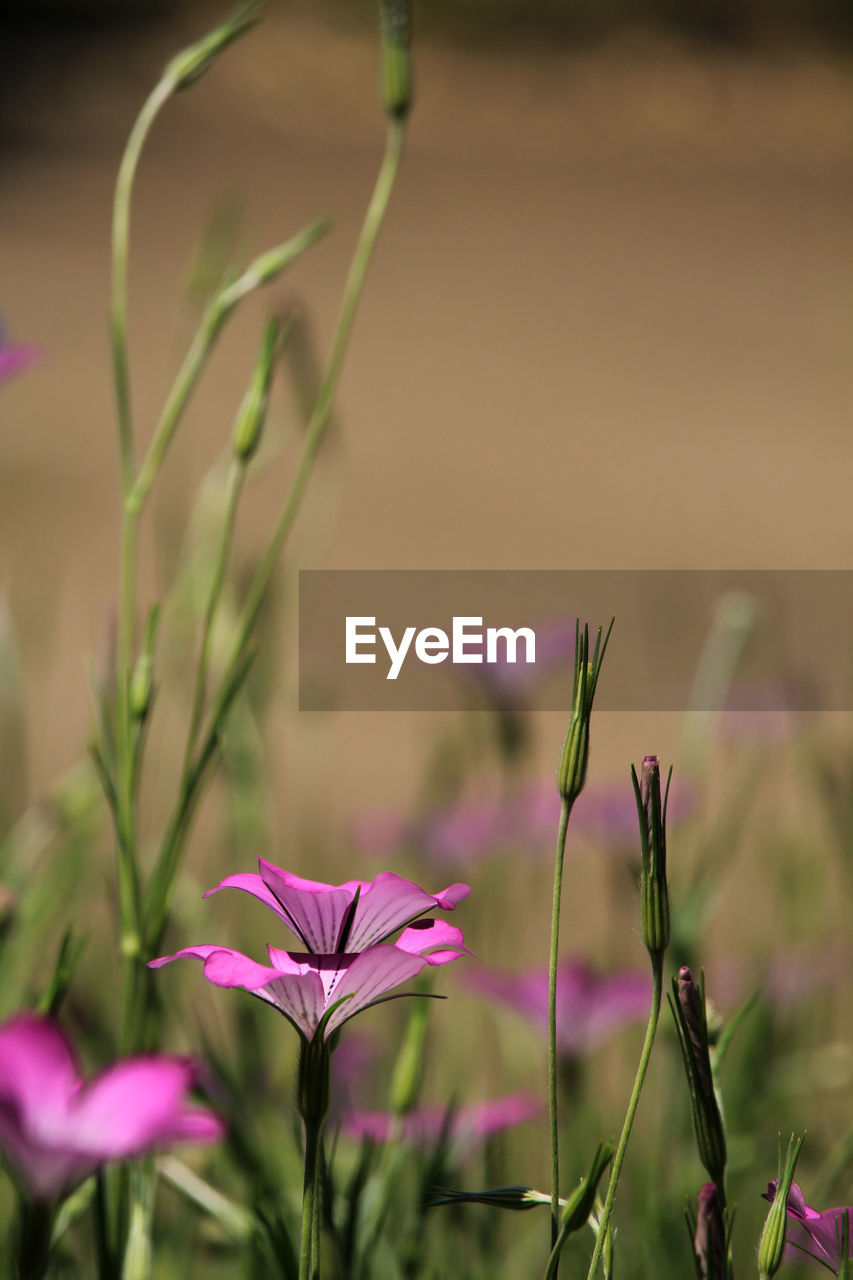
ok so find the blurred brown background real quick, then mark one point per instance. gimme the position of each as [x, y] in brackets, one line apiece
[608, 322]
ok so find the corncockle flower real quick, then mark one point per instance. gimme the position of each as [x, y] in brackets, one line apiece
[55, 1129]
[347, 964]
[816, 1234]
[591, 1007]
[465, 1125]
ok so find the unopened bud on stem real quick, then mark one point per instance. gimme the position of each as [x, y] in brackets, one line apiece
[772, 1244]
[571, 774]
[687, 1004]
[253, 411]
[395, 32]
[653, 885]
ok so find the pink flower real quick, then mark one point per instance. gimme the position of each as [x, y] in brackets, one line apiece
[816, 1234]
[348, 965]
[56, 1129]
[590, 1007]
[15, 357]
[465, 1126]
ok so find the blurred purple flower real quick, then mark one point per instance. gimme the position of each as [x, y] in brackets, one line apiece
[15, 357]
[784, 978]
[524, 821]
[511, 684]
[348, 965]
[466, 1126]
[816, 1234]
[56, 1130]
[590, 1007]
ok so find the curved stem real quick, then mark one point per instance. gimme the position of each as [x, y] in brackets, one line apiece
[654, 1014]
[565, 812]
[120, 244]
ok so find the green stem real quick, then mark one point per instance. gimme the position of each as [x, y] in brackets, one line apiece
[120, 245]
[167, 865]
[236, 476]
[176, 403]
[319, 419]
[127, 868]
[308, 1249]
[565, 813]
[654, 1014]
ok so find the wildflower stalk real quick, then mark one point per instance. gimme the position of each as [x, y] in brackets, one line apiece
[656, 929]
[565, 813]
[172, 848]
[648, 1042]
[571, 777]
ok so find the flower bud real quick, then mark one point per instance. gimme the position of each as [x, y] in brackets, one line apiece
[142, 680]
[582, 1200]
[518, 1198]
[709, 1242]
[395, 26]
[654, 892]
[772, 1244]
[688, 1008]
[253, 411]
[571, 774]
[190, 64]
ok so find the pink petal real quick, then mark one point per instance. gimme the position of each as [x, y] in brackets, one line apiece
[317, 910]
[252, 884]
[389, 902]
[424, 936]
[138, 1104]
[370, 975]
[38, 1071]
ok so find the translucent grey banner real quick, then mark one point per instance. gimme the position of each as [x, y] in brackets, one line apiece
[430, 640]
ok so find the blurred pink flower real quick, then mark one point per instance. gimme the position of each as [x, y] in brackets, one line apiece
[512, 684]
[466, 1126]
[56, 1130]
[591, 1007]
[784, 978]
[524, 821]
[816, 1234]
[15, 357]
[348, 965]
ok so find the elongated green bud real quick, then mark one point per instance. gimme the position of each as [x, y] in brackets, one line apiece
[582, 1200]
[252, 413]
[772, 1244]
[142, 680]
[518, 1198]
[266, 268]
[190, 64]
[395, 31]
[691, 1022]
[571, 774]
[654, 891]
